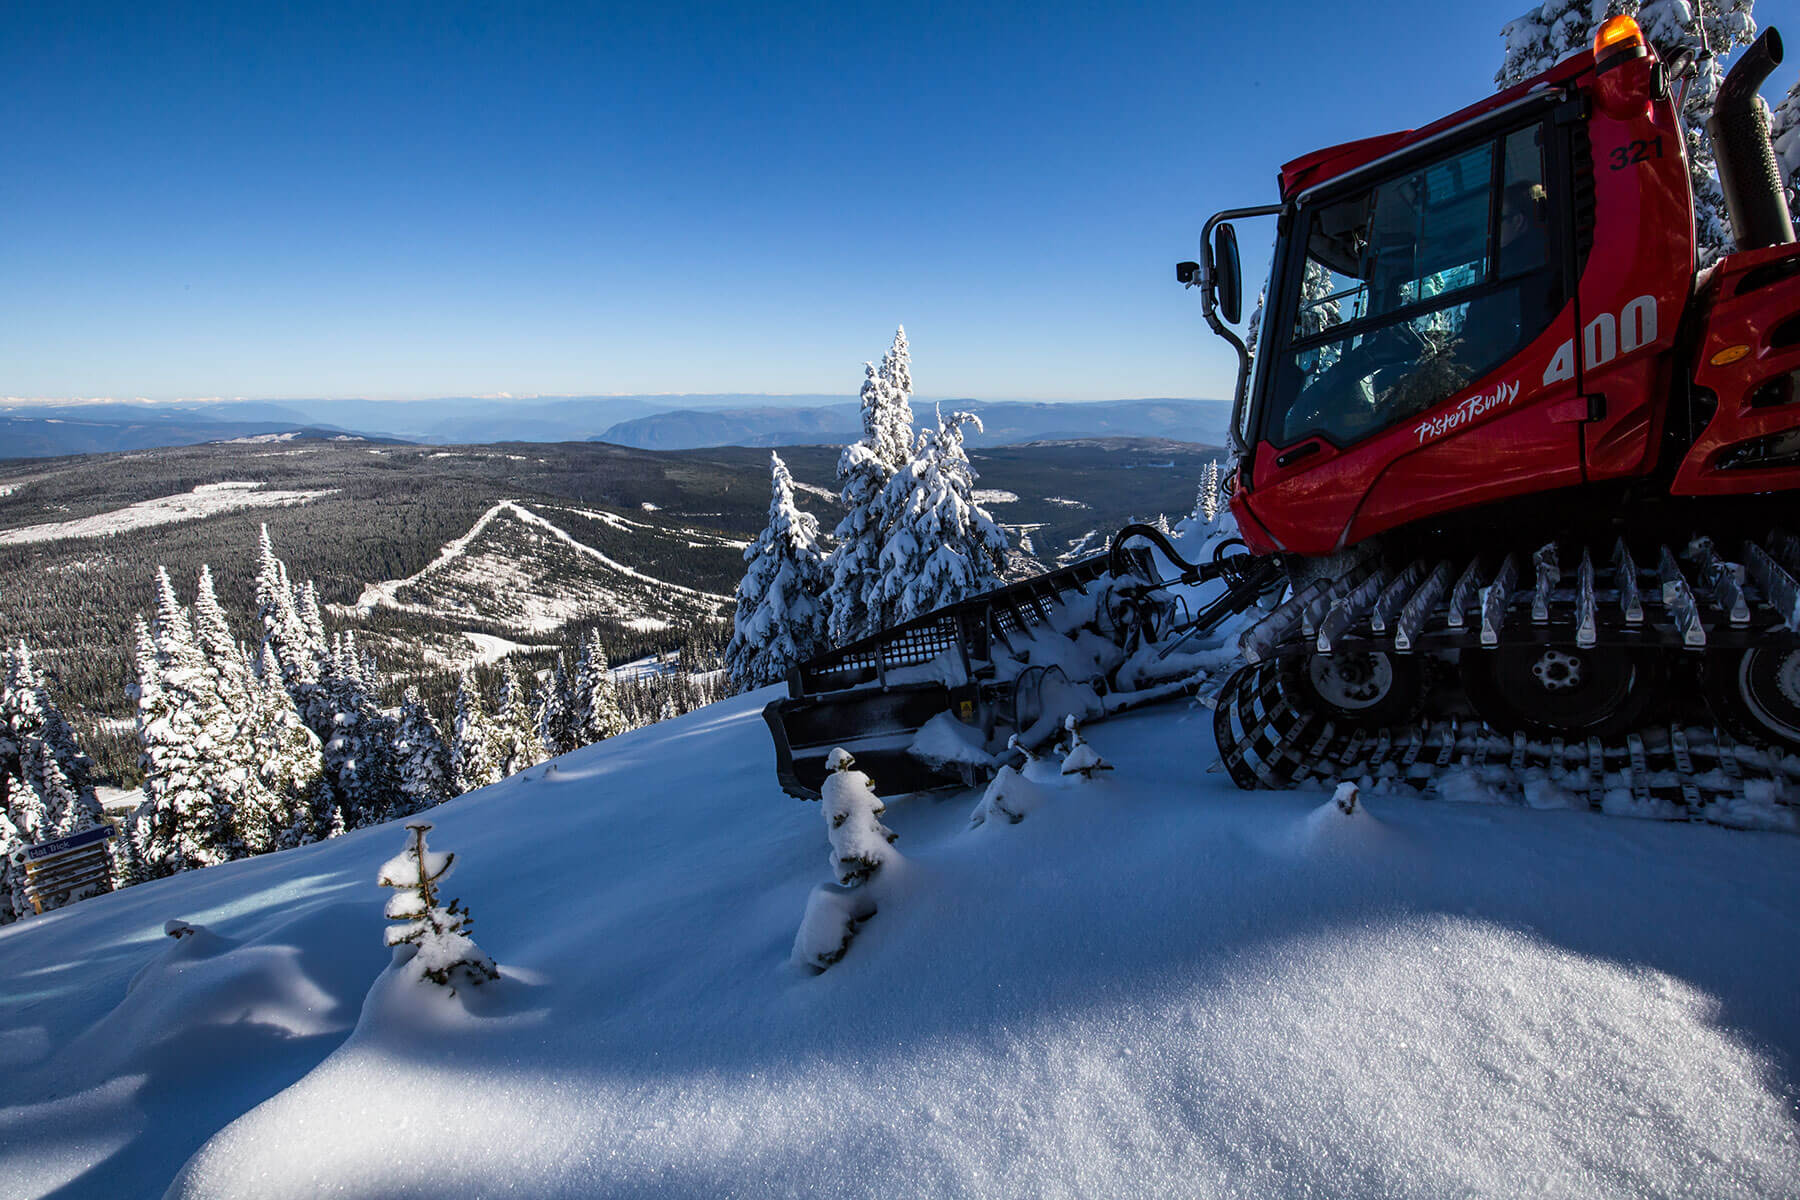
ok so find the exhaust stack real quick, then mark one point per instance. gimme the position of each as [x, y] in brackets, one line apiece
[1739, 129]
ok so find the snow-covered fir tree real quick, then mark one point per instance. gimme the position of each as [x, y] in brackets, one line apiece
[942, 547]
[780, 618]
[512, 733]
[860, 844]
[430, 938]
[1712, 35]
[291, 761]
[864, 470]
[1538, 39]
[185, 741]
[1212, 496]
[420, 757]
[471, 742]
[285, 633]
[263, 755]
[596, 713]
[334, 687]
[128, 861]
[358, 740]
[46, 782]
[1079, 758]
[554, 710]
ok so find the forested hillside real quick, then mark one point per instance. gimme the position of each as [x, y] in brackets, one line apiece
[435, 556]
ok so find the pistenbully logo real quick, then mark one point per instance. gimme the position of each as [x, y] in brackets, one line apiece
[1468, 410]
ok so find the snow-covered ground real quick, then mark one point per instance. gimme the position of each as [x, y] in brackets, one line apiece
[519, 569]
[488, 649]
[1153, 985]
[117, 801]
[209, 499]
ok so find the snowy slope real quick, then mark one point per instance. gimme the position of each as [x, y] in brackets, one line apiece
[1154, 985]
[206, 500]
[522, 571]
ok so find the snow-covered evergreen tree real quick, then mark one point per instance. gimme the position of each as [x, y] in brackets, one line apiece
[1540, 38]
[780, 619]
[128, 861]
[268, 761]
[357, 738]
[46, 782]
[292, 762]
[285, 633]
[187, 818]
[860, 843]
[1212, 496]
[431, 938]
[942, 547]
[596, 712]
[512, 732]
[471, 741]
[555, 710]
[864, 470]
[1079, 758]
[1721, 27]
[421, 757]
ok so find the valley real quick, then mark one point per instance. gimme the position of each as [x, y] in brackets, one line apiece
[436, 556]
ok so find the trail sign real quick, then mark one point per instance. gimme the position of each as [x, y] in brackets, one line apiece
[63, 870]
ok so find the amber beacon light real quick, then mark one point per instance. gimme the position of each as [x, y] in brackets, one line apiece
[1616, 35]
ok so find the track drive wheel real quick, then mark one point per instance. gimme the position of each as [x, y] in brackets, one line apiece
[1367, 689]
[1562, 691]
[1755, 693]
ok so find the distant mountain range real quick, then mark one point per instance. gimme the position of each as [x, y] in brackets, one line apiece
[85, 432]
[1005, 423]
[642, 422]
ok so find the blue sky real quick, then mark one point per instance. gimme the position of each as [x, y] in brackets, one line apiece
[402, 200]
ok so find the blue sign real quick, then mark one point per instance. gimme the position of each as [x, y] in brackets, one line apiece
[74, 841]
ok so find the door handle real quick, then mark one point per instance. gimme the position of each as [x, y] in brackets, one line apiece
[1289, 457]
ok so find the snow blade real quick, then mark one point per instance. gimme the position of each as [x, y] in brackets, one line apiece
[876, 725]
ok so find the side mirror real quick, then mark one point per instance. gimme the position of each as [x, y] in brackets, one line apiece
[1227, 275]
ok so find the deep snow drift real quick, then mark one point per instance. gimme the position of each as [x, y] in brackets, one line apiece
[1151, 984]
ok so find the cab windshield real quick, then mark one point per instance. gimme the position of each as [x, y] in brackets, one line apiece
[1413, 288]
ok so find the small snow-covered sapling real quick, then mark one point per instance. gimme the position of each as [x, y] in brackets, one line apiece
[833, 916]
[1345, 797]
[178, 929]
[860, 843]
[1004, 797]
[1079, 758]
[438, 934]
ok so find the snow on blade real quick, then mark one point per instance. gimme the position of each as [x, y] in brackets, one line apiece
[207, 500]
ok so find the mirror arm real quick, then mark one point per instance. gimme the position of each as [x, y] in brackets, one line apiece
[1219, 327]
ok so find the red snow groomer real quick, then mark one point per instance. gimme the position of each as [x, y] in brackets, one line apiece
[1511, 482]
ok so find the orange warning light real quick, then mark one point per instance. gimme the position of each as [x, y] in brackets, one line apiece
[1619, 33]
[1729, 355]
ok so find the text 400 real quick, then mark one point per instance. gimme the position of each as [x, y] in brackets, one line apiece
[1605, 338]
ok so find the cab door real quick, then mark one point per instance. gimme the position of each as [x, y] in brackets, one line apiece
[1412, 381]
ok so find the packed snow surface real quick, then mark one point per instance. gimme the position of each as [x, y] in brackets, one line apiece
[207, 500]
[1152, 984]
